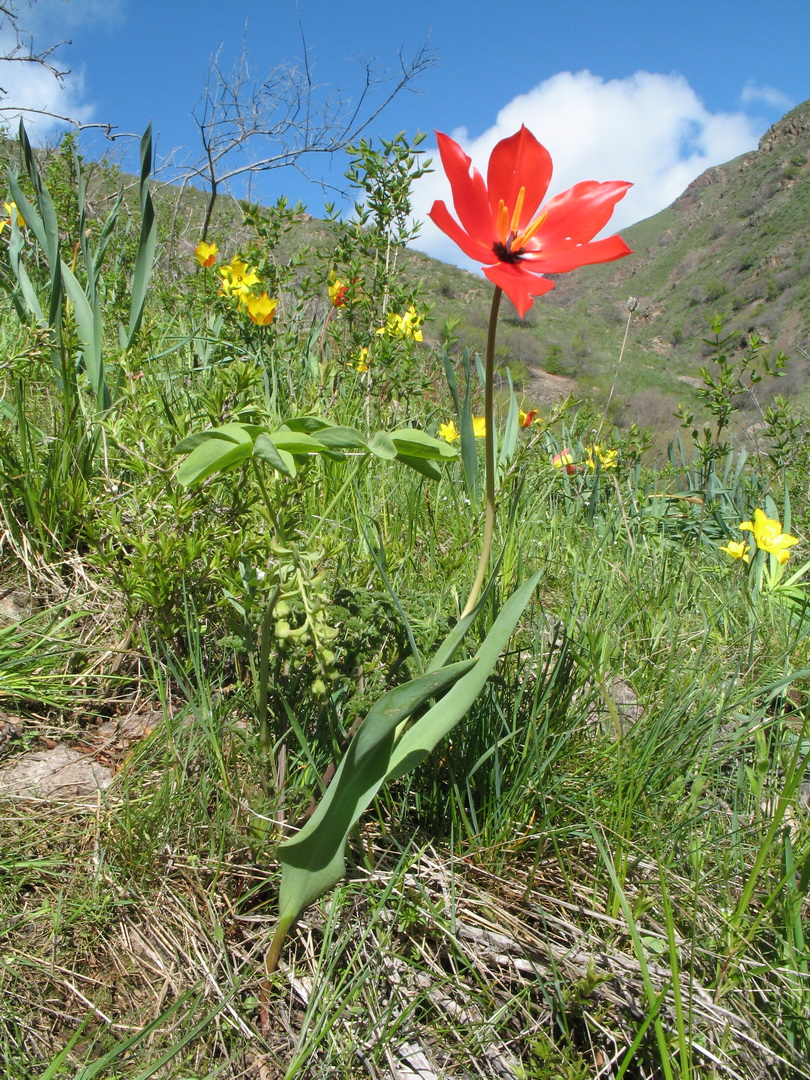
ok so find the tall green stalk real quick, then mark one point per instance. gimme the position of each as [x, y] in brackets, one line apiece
[489, 420]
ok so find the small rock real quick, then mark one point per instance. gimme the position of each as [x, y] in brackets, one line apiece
[59, 774]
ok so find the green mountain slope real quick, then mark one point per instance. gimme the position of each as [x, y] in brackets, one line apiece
[735, 243]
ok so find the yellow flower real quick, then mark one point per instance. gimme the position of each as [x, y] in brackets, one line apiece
[404, 326]
[237, 278]
[526, 419]
[337, 290]
[261, 308]
[11, 209]
[206, 253]
[564, 460]
[448, 431]
[607, 458]
[479, 427]
[769, 536]
[362, 361]
[738, 549]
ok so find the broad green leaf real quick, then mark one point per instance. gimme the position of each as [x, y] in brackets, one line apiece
[416, 443]
[236, 433]
[469, 449]
[309, 424]
[421, 465]
[147, 241]
[451, 381]
[510, 431]
[88, 324]
[44, 225]
[213, 456]
[382, 446]
[281, 461]
[15, 250]
[313, 861]
[342, 438]
[298, 442]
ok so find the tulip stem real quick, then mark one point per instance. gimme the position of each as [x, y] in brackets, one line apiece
[489, 420]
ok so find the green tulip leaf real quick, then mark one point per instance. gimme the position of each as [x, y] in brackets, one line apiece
[418, 741]
[313, 860]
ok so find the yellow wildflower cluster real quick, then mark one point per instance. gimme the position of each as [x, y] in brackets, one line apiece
[606, 458]
[768, 536]
[236, 280]
[449, 432]
[407, 326]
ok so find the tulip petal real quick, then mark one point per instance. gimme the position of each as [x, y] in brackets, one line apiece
[469, 190]
[578, 214]
[519, 284]
[470, 245]
[565, 259]
[516, 162]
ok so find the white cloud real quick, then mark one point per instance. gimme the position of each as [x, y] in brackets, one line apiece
[651, 129]
[32, 90]
[768, 95]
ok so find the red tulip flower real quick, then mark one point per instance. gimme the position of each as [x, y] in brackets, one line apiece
[503, 227]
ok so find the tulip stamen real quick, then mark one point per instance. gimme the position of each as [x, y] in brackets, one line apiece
[503, 222]
[522, 240]
[515, 222]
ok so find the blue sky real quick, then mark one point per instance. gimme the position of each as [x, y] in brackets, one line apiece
[652, 93]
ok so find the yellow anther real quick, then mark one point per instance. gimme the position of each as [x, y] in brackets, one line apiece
[503, 222]
[515, 223]
[522, 240]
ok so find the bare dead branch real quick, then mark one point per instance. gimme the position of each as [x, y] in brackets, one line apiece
[108, 129]
[238, 116]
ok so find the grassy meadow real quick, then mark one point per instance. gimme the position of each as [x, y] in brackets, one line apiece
[228, 528]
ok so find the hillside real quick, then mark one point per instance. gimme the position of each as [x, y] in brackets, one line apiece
[735, 243]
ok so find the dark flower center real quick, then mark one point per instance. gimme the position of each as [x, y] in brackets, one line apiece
[504, 251]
